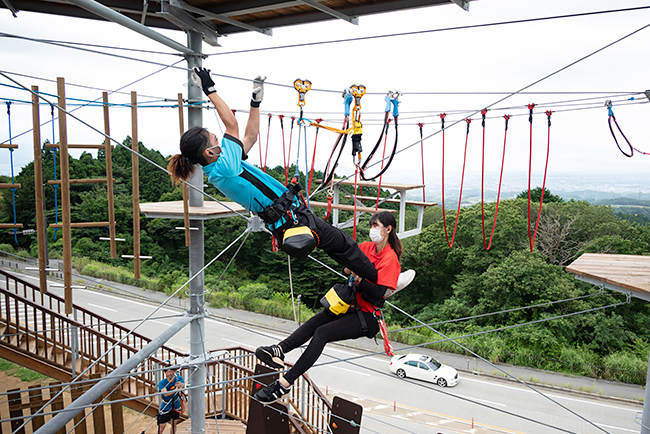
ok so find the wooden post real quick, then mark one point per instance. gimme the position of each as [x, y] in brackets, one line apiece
[15, 410]
[80, 419]
[36, 401]
[186, 206]
[99, 424]
[109, 176]
[65, 198]
[57, 405]
[135, 174]
[38, 190]
[116, 412]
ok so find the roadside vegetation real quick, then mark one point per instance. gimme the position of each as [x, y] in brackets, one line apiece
[507, 304]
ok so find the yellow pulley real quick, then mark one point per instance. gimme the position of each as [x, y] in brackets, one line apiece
[302, 86]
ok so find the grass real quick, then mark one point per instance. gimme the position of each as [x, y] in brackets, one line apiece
[24, 374]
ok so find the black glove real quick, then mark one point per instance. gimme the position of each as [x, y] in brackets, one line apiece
[201, 77]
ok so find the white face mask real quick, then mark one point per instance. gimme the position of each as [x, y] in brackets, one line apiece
[375, 235]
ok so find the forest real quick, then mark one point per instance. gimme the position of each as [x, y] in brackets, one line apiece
[507, 303]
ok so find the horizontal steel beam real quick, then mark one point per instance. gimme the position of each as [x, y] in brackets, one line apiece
[110, 15]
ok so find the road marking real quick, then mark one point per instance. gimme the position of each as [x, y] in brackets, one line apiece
[354, 372]
[102, 307]
[160, 322]
[525, 389]
[234, 342]
[617, 427]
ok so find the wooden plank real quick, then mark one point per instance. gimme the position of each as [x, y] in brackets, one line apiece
[8, 146]
[393, 200]
[116, 412]
[38, 192]
[627, 271]
[389, 185]
[108, 149]
[351, 207]
[65, 197]
[15, 410]
[99, 423]
[344, 411]
[5, 185]
[81, 181]
[57, 404]
[11, 226]
[76, 390]
[76, 146]
[174, 210]
[135, 174]
[82, 225]
[35, 394]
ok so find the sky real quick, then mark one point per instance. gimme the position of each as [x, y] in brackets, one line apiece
[502, 58]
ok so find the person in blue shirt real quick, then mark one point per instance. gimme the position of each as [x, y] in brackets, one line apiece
[225, 166]
[171, 405]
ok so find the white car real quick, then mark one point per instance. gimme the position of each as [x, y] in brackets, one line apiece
[423, 368]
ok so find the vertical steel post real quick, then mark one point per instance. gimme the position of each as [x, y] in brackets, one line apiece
[196, 252]
[645, 421]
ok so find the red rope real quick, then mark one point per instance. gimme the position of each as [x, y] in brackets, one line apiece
[462, 180]
[284, 154]
[268, 135]
[313, 159]
[533, 236]
[286, 169]
[503, 159]
[383, 158]
[422, 159]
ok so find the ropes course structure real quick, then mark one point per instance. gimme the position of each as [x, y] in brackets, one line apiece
[356, 128]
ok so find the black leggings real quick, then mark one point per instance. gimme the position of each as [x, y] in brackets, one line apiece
[337, 244]
[322, 328]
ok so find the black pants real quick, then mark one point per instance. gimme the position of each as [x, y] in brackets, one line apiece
[337, 244]
[322, 328]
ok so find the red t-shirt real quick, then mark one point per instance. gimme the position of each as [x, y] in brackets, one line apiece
[388, 269]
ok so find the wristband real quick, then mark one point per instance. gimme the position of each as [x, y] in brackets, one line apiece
[255, 103]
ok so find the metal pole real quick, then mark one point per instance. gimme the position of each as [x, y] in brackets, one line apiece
[67, 414]
[111, 15]
[645, 422]
[196, 252]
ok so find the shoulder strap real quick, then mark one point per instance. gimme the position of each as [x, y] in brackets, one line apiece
[263, 188]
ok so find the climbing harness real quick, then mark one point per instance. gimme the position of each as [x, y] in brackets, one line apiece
[462, 179]
[531, 237]
[392, 99]
[11, 158]
[487, 245]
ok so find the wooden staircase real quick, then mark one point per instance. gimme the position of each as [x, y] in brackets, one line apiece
[36, 334]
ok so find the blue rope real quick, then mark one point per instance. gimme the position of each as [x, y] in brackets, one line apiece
[11, 158]
[56, 187]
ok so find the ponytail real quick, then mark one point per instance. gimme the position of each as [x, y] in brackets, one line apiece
[193, 142]
[387, 219]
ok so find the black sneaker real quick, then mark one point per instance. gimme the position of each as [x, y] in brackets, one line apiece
[272, 356]
[272, 393]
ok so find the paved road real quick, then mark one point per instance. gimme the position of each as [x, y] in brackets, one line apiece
[480, 403]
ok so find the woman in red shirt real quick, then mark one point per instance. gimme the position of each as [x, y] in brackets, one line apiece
[384, 251]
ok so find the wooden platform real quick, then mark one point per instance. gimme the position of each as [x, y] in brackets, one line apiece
[629, 274]
[343, 188]
[174, 210]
